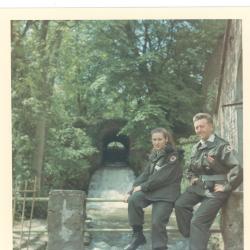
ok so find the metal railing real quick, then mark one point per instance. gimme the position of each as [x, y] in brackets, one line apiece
[46, 199]
[24, 191]
[20, 196]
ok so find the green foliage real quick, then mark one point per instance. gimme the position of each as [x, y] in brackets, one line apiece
[66, 163]
[70, 144]
[73, 75]
[186, 144]
[153, 64]
[36, 94]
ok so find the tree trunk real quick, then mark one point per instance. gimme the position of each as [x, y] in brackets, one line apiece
[38, 156]
[50, 55]
[38, 153]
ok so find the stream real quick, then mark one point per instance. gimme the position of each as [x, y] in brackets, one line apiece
[114, 182]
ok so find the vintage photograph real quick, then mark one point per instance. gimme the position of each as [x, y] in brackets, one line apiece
[126, 133]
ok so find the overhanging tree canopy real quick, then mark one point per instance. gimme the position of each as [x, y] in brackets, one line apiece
[148, 72]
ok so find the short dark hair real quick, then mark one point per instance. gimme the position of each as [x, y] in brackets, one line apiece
[206, 116]
[166, 134]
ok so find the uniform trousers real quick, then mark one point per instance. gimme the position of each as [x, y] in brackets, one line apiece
[196, 225]
[161, 211]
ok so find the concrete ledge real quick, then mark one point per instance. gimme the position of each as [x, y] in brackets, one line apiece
[66, 211]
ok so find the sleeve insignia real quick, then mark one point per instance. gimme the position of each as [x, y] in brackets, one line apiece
[173, 158]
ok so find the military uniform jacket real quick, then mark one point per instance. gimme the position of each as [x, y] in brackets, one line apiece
[225, 162]
[161, 178]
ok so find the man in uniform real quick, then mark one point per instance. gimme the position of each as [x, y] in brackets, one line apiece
[214, 171]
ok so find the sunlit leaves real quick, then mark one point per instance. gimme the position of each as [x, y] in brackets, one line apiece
[147, 72]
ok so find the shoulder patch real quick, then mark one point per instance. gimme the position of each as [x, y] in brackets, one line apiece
[172, 158]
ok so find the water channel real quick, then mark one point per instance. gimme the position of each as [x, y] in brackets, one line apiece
[113, 182]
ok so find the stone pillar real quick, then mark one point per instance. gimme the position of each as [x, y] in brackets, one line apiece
[232, 222]
[66, 212]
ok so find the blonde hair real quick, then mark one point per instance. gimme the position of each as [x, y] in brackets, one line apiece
[206, 116]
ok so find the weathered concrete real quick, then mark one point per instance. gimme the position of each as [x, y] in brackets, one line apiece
[66, 210]
[230, 96]
[232, 222]
[229, 121]
[223, 78]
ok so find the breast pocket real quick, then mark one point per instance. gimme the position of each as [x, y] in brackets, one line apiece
[212, 152]
[215, 164]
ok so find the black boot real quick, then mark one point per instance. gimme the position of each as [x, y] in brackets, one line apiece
[137, 239]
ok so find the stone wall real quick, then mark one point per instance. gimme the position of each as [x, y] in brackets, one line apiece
[229, 98]
[225, 80]
[232, 222]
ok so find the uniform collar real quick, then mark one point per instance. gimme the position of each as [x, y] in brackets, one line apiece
[156, 154]
[210, 139]
[204, 143]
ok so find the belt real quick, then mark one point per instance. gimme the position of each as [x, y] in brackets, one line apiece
[214, 177]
